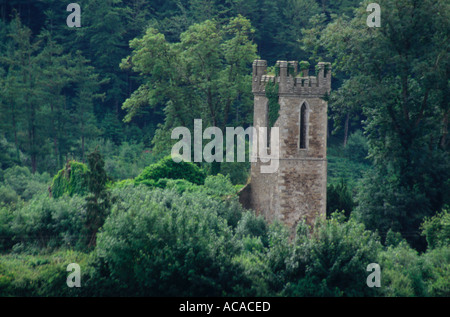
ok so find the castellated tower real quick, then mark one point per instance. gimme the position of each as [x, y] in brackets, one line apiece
[298, 189]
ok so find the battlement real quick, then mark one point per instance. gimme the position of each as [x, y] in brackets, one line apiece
[290, 80]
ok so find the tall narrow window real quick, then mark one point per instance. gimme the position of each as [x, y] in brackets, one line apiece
[303, 127]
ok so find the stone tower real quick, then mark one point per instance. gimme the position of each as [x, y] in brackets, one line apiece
[298, 189]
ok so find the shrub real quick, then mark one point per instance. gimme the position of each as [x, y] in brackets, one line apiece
[6, 233]
[357, 147]
[167, 168]
[124, 161]
[253, 261]
[402, 272]
[158, 243]
[438, 278]
[332, 259]
[24, 183]
[8, 196]
[237, 171]
[46, 222]
[41, 275]
[339, 198]
[71, 180]
[437, 230]
[251, 225]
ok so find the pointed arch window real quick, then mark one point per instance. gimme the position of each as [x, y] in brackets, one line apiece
[303, 126]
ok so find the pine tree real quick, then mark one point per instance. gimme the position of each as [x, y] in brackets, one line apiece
[98, 201]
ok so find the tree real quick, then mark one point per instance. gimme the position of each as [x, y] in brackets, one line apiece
[403, 73]
[87, 84]
[331, 259]
[98, 200]
[201, 77]
[160, 243]
[23, 78]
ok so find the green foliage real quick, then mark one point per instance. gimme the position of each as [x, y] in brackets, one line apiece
[406, 273]
[25, 184]
[437, 230]
[217, 187]
[163, 244]
[274, 106]
[41, 275]
[9, 154]
[98, 201]
[380, 201]
[8, 196]
[46, 222]
[357, 148]
[238, 172]
[342, 167]
[405, 105]
[253, 226]
[185, 234]
[167, 168]
[438, 277]
[71, 180]
[124, 161]
[6, 232]
[332, 260]
[339, 198]
[208, 68]
[304, 65]
[402, 272]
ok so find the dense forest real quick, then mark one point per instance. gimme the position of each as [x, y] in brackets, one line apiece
[86, 177]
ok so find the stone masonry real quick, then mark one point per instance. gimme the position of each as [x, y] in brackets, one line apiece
[298, 190]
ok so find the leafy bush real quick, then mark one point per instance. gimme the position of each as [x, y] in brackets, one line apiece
[124, 161]
[438, 278]
[24, 183]
[167, 168]
[71, 180]
[339, 198]
[437, 230]
[254, 226]
[237, 171]
[401, 269]
[42, 275]
[405, 272]
[46, 222]
[332, 260]
[6, 233]
[8, 196]
[158, 243]
[357, 147]
[254, 262]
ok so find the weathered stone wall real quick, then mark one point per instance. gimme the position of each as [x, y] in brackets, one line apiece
[298, 189]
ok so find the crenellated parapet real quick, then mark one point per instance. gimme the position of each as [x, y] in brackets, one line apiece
[290, 80]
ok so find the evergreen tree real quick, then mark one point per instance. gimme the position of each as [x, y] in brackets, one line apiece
[403, 74]
[98, 200]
